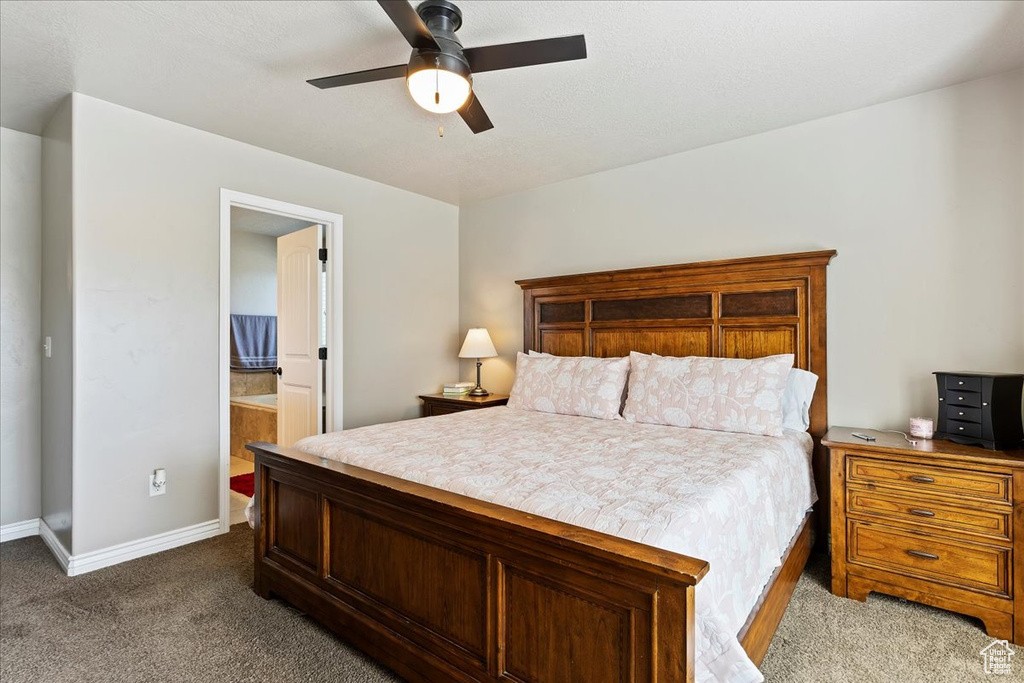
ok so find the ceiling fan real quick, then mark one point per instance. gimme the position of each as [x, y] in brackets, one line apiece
[440, 71]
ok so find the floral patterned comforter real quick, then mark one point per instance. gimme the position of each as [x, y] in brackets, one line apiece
[735, 500]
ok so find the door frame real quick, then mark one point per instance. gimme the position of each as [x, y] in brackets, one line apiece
[332, 223]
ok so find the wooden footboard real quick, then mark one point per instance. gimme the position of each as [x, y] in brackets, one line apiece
[441, 587]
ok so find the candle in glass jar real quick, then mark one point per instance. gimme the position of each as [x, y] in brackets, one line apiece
[922, 427]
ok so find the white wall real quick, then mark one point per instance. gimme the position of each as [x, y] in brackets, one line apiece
[58, 323]
[21, 219]
[922, 197]
[146, 277]
[253, 273]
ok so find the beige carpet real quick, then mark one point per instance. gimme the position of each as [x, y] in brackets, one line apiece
[189, 615]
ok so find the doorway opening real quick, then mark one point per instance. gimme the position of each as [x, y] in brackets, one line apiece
[280, 333]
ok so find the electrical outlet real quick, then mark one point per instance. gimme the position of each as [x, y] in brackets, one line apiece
[157, 483]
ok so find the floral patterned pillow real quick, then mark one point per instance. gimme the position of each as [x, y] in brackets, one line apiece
[721, 394]
[570, 385]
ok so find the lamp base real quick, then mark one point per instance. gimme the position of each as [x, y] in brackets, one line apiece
[478, 390]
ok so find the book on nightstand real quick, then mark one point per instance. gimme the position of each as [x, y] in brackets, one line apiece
[457, 388]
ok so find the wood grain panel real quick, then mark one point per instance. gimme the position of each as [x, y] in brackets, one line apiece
[655, 308]
[954, 562]
[759, 304]
[565, 312]
[676, 341]
[556, 635]
[251, 423]
[756, 342]
[926, 480]
[562, 342]
[295, 523]
[437, 585]
[901, 507]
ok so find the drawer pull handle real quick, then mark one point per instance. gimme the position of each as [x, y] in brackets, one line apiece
[922, 513]
[960, 412]
[960, 383]
[921, 479]
[923, 555]
[961, 429]
[959, 398]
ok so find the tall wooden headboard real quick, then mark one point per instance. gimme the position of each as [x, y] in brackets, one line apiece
[739, 308]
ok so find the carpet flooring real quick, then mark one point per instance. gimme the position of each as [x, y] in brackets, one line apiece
[189, 615]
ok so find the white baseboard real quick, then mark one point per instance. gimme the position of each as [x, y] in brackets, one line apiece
[74, 565]
[116, 554]
[56, 548]
[11, 532]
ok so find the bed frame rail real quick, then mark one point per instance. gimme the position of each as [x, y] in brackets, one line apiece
[441, 587]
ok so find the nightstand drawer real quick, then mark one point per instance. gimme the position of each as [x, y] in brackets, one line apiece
[966, 565]
[442, 409]
[440, 404]
[924, 479]
[902, 507]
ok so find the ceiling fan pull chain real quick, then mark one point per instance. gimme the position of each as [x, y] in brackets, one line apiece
[437, 82]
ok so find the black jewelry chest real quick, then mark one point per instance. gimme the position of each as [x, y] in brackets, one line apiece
[980, 408]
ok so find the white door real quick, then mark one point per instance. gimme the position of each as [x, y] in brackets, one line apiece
[299, 307]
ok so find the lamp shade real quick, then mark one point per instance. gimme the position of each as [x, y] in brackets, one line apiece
[478, 344]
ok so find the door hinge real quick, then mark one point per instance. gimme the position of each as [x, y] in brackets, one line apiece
[323, 353]
[323, 254]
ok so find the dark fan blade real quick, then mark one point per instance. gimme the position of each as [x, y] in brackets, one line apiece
[368, 76]
[410, 24]
[472, 112]
[526, 53]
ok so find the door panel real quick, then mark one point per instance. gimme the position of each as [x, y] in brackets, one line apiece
[299, 306]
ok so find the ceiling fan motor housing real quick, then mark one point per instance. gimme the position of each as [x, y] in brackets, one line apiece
[443, 18]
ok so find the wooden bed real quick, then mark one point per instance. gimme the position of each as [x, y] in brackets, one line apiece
[441, 587]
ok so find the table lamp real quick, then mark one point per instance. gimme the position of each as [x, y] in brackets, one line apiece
[478, 345]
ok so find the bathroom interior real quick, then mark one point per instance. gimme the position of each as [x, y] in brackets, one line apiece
[254, 301]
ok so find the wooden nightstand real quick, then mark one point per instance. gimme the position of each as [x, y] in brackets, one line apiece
[936, 523]
[439, 404]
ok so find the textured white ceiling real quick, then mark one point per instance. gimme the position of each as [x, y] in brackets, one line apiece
[662, 77]
[250, 220]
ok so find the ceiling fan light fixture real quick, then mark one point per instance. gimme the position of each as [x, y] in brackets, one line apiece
[438, 82]
[437, 90]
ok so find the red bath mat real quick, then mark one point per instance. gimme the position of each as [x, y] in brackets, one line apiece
[244, 484]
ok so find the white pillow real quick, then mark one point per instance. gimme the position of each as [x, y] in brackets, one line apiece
[796, 401]
[722, 394]
[570, 385]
